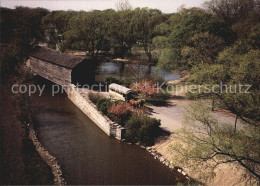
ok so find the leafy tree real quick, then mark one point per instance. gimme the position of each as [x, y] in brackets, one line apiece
[207, 143]
[187, 26]
[144, 21]
[55, 25]
[122, 36]
[218, 142]
[89, 31]
[202, 48]
[20, 31]
[167, 59]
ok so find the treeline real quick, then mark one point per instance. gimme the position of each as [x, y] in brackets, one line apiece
[21, 29]
[175, 41]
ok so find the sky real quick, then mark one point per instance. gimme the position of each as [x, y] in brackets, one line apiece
[166, 6]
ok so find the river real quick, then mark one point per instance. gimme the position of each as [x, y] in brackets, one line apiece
[111, 69]
[86, 154]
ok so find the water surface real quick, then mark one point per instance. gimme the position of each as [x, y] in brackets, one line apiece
[86, 154]
[106, 69]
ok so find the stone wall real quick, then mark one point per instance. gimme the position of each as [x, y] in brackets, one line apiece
[86, 106]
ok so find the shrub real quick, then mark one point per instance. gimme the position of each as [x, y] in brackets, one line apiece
[120, 112]
[146, 88]
[95, 96]
[103, 105]
[142, 128]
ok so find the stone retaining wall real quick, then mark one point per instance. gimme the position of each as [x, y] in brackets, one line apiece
[86, 106]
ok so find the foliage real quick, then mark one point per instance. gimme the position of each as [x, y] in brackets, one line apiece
[122, 36]
[120, 112]
[95, 96]
[194, 33]
[231, 11]
[88, 31]
[20, 31]
[103, 105]
[144, 21]
[238, 66]
[202, 48]
[207, 143]
[143, 129]
[167, 59]
[146, 88]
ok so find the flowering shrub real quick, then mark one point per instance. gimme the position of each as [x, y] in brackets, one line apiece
[120, 112]
[146, 88]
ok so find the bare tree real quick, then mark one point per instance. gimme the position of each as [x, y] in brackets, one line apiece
[231, 11]
[122, 5]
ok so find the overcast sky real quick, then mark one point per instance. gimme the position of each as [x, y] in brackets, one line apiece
[166, 6]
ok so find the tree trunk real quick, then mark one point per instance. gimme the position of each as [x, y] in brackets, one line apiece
[236, 124]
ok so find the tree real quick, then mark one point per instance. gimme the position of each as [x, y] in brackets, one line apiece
[20, 31]
[123, 5]
[122, 36]
[144, 21]
[202, 48]
[231, 11]
[55, 25]
[207, 143]
[188, 26]
[89, 31]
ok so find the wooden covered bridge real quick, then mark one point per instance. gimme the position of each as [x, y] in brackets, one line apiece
[61, 68]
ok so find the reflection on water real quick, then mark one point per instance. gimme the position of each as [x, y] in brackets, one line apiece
[86, 154]
[106, 69]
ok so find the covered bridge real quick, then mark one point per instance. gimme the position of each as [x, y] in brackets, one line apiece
[61, 68]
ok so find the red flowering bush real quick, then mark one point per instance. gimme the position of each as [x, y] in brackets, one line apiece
[120, 112]
[146, 88]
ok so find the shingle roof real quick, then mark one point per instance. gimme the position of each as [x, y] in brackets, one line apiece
[120, 88]
[56, 57]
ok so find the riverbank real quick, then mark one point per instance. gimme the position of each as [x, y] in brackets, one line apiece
[47, 157]
[20, 162]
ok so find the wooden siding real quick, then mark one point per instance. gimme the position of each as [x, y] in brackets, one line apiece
[52, 72]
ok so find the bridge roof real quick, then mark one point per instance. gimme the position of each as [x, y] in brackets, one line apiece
[56, 57]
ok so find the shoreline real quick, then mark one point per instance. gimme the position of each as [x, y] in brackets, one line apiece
[47, 157]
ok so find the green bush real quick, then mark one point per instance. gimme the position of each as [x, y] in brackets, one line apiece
[103, 105]
[143, 129]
